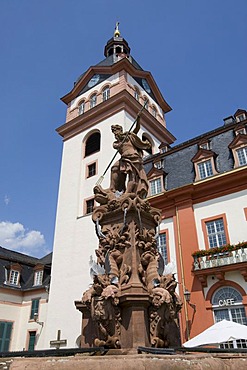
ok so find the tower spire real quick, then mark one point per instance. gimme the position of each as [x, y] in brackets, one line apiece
[117, 32]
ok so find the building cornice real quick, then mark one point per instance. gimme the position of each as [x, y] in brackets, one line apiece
[121, 101]
[202, 191]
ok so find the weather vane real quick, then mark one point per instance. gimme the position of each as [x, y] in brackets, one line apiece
[117, 32]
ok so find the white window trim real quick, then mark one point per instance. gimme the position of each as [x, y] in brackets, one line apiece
[38, 277]
[14, 277]
[199, 162]
[244, 148]
[106, 93]
[155, 181]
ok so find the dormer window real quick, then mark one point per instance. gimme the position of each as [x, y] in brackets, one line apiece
[93, 101]
[242, 156]
[239, 150]
[204, 145]
[158, 165]
[106, 93]
[38, 277]
[14, 277]
[205, 169]
[241, 117]
[241, 131]
[204, 164]
[155, 186]
[81, 107]
[14, 274]
[156, 180]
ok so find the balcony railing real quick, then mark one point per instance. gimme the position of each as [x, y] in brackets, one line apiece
[219, 259]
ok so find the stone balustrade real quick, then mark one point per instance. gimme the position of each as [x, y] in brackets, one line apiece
[220, 259]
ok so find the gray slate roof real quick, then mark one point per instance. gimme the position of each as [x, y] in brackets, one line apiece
[27, 263]
[177, 161]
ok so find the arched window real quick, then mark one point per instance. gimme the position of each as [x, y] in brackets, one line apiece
[154, 111]
[106, 93]
[145, 102]
[227, 305]
[93, 100]
[81, 107]
[137, 94]
[145, 137]
[92, 144]
[223, 295]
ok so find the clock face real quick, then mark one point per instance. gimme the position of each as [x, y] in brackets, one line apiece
[146, 85]
[94, 80]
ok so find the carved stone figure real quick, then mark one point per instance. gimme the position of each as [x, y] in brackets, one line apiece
[130, 301]
[130, 165]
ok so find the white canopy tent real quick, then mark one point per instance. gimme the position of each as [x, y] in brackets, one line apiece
[222, 331]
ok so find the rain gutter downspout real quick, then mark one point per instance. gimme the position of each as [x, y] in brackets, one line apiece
[182, 274]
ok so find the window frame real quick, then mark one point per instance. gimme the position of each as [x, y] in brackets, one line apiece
[29, 338]
[154, 181]
[244, 148]
[93, 100]
[233, 311]
[85, 143]
[154, 111]
[88, 175]
[146, 101]
[12, 281]
[241, 117]
[137, 94]
[205, 169]
[7, 329]
[35, 308]
[205, 233]
[202, 157]
[106, 93]
[166, 233]
[37, 278]
[240, 141]
[80, 105]
[86, 213]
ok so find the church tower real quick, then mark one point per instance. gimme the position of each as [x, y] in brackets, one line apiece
[111, 92]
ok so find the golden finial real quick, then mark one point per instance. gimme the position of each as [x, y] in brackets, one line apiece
[117, 32]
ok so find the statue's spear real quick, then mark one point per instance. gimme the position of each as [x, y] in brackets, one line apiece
[125, 138]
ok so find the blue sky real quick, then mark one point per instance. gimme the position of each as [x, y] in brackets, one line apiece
[195, 49]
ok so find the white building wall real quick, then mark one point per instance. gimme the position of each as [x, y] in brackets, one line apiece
[114, 79]
[231, 276]
[233, 206]
[133, 82]
[16, 309]
[75, 239]
[167, 224]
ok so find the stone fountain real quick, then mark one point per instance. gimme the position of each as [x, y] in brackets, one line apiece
[131, 301]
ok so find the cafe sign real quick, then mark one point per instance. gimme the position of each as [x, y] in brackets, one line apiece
[226, 302]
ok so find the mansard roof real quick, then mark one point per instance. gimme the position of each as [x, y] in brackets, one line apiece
[9, 258]
[178, 160]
